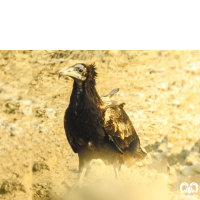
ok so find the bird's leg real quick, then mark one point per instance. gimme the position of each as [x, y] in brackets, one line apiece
[116, 173]
[117, 166]
[82, 171]
[79, 182]
[81, 177]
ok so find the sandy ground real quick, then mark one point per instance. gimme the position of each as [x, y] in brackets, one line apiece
[161, 90]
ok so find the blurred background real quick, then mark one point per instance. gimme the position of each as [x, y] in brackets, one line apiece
[161, 90]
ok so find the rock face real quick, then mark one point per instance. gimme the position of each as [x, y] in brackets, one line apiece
[161, 92]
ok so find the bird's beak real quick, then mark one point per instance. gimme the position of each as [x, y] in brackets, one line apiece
[70, 72]
[67, 72]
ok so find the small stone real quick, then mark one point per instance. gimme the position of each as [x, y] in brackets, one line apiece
[39, 166]
[187, 148]
[176, 103]
[159, 140]
[159, 156]
[146, 138]
[7, 186]
[187, 171]
[50, 113]
[189, 136]
[41, 192]
[139, 164]
[45, 112]
[165, 154]
[147, 161]
[40, 112]
[162, 147]
[36, 167]
[170, 145]
[151, 110]
[25, 107]
[12, 106]
[192, 159]
[172, 170]
[196, 167]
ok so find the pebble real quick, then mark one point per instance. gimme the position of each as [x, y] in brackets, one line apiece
[172, 170]
[25, 107]
[151, 110]
[12, 106]
[187, 148]
[147, 161]
[187, 171]
[40, 112]
[139, 164]
[165, 154]
[38, 166]
[159, 156]
[159, 140]
[189, 136]
[6, 187]
[196, 167]
[50, 113]
[176, 103]
[192, 159]
[170, 145]
[146, 138]
[41, 192]
[162, 147]
[46, 112]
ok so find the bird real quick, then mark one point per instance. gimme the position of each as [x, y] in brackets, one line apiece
[97, 127]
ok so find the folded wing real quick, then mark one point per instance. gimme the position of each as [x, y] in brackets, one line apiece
[119, 127]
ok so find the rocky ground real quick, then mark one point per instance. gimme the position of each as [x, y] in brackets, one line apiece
[161, 90]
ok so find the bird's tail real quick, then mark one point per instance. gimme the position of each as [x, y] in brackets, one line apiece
[141, 153]
[136, 150]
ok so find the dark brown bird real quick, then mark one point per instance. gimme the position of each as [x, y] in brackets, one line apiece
[97, 127]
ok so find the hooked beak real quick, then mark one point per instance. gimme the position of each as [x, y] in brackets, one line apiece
[71, 73]
[66, 72]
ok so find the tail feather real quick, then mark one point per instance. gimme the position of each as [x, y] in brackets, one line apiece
[136, 150]
[141, 153]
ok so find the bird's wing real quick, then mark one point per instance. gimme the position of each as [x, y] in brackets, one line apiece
[119, 127]
[69, 136]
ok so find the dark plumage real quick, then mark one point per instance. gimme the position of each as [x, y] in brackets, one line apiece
[97, 127]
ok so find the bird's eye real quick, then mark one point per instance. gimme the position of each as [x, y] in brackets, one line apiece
[80, 70]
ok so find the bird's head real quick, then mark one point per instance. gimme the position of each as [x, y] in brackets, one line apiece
[79, 72]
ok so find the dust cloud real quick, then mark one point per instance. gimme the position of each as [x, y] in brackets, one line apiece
[135, 183]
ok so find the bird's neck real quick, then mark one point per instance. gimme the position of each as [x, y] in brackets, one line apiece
[84, 96]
